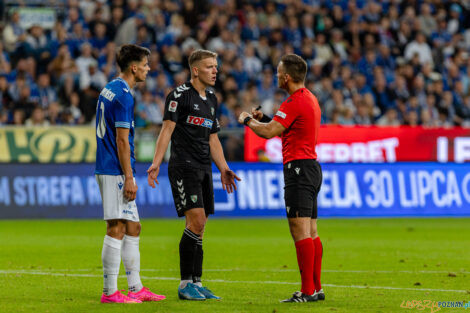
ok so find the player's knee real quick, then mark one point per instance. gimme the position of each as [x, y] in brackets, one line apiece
[298, 229]
[298, 235]
[116, 229]
[314, 233]
[197, 226]
[133, 229]
[313, 229]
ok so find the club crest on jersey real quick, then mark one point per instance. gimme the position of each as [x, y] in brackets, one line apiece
[281, 114]
[172, 106]
[199, 121]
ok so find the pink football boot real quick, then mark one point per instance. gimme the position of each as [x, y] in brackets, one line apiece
[118, 297]
[145, 295]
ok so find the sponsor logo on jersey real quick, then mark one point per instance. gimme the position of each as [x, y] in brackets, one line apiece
[281, 114]
[108, 94]
[196, 106]
[172, 106]
[212, 111]
[199, 121]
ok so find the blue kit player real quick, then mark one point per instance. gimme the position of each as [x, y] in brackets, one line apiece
[115, 169]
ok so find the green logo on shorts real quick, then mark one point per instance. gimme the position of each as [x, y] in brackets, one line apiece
[194, 198]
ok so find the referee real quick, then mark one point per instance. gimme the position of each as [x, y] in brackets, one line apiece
[298, 123]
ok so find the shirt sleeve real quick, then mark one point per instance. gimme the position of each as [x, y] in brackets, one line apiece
[122, 112]
[286, 114]
[215, 126]
[173, 105]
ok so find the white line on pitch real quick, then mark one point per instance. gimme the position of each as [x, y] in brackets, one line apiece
[267, 270]
[235, 281]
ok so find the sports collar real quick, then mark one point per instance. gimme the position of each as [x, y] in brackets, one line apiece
[124, 81]
[195, 90]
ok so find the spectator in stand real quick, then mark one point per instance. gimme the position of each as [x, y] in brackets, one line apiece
[427, 22]
[18, 117]
[37, 118]
[44, 93]
[363, 114]
[62, 65]
[85, 59]
[23, 102]
[420, 48]
[6, 100]
[14, 36]
[99, 40]
[149, 111]
[390, 118]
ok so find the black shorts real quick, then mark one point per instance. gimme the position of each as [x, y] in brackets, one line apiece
[191, 188]
[302, 182]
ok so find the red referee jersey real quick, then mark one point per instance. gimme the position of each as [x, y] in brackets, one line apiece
[300, 114]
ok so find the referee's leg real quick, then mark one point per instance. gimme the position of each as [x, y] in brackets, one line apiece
[317, 258]
[300, 231]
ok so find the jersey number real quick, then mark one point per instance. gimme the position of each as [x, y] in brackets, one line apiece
[101, 127]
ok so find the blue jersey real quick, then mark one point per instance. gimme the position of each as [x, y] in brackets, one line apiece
[115, 108]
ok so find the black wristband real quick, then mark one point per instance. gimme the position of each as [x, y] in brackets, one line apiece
[265, 119]
[246, 120]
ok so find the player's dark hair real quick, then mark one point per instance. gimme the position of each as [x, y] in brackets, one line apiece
[295, 66]
[198, 55]
[130, 53]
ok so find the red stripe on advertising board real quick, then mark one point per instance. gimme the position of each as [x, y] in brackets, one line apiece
[373, 144]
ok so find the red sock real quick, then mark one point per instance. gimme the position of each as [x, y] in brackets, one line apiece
[318, 253]
[305, 259]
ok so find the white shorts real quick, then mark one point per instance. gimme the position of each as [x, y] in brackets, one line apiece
[115, 206]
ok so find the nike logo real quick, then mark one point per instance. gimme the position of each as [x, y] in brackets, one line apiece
[126, 90]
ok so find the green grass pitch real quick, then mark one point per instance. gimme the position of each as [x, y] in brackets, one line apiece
[369, 265]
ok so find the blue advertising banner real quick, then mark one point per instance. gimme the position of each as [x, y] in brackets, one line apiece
[348, 190]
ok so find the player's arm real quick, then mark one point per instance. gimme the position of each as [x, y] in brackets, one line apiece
[160, 148]
[173, 105]
[227, 176]
[124, 155]
[264, 130]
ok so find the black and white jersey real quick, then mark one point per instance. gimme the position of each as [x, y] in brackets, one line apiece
[195, 119]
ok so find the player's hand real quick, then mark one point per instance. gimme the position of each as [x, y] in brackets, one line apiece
[130, 189]
[242, 117]
[228, 180]
[257, 114]
[152, 175]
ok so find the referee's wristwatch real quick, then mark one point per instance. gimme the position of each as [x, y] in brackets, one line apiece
[247, 119]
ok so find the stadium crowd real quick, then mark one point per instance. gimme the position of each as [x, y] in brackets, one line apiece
[370, 62]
